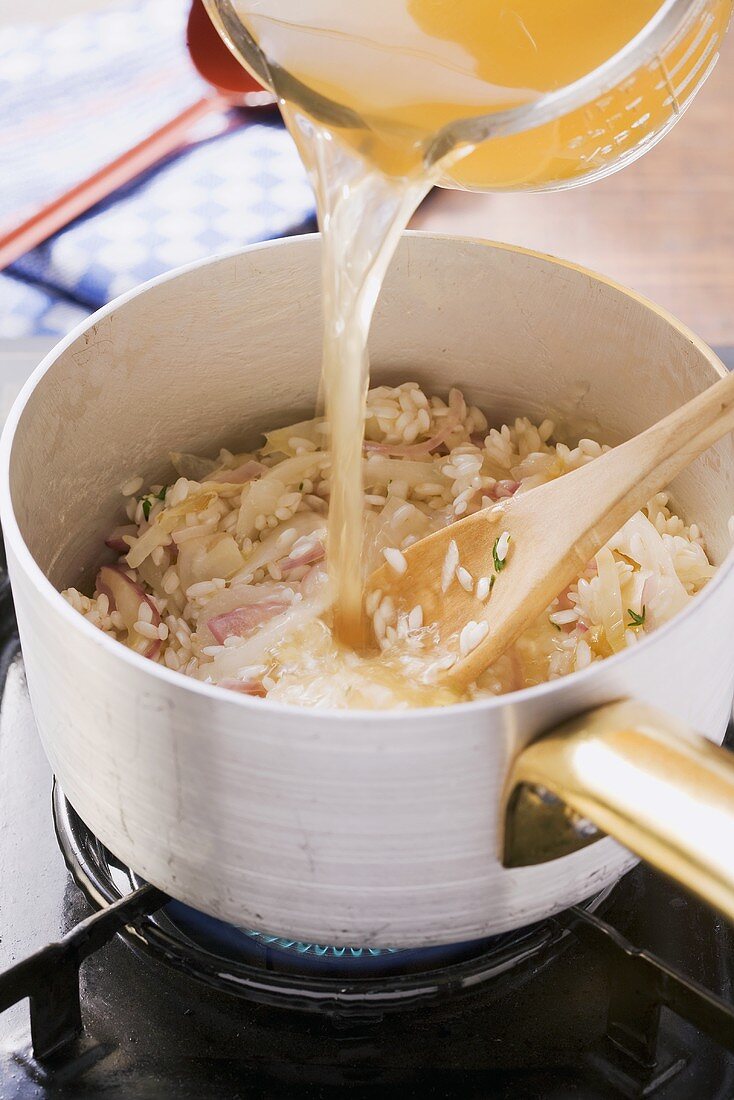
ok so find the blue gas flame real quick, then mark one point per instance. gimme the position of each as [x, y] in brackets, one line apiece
[318, 949]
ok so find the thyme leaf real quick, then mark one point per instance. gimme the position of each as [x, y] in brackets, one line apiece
[499, 563]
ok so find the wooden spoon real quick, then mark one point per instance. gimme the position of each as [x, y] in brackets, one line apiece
[554, 530]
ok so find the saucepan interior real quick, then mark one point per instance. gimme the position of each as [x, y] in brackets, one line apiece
[212, 356]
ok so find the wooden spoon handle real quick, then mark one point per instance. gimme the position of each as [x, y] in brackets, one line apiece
[571, 518]
[669, 446]
[626, 478]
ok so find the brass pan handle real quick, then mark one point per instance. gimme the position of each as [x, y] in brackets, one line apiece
[635, 773]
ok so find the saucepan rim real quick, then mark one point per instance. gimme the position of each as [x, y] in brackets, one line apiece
[14, 539]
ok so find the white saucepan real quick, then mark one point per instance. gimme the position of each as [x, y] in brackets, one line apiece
[351, 827]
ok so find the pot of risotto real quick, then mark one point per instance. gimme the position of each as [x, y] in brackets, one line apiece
[165, 489]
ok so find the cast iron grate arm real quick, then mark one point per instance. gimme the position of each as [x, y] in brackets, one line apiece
[640, 985]
[50, 977]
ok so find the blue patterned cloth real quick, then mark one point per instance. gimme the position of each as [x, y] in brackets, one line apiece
[76, 95]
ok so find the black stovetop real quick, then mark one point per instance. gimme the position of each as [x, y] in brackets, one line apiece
[577, 1018]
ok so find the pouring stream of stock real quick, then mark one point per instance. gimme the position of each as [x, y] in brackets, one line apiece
[554, 530]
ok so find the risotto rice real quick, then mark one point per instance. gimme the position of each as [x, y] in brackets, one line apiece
[221, 575]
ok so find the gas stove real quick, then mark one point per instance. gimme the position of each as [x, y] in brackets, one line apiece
[108, 988]
[135, 995]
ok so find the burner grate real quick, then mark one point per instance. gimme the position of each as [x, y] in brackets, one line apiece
[632, 1057]
[641, 985]
[50, 977]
